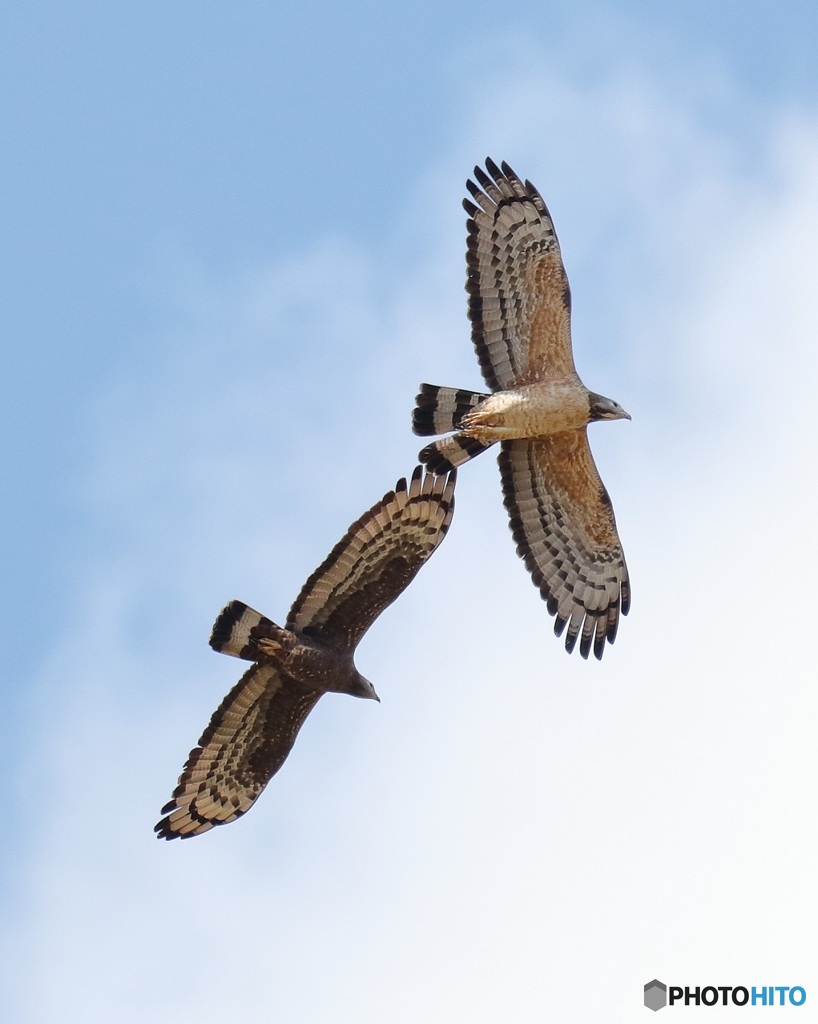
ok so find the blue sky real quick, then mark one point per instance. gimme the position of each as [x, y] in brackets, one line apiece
[232, 248]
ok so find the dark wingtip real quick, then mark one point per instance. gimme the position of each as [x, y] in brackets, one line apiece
[163, 830]
[585, 645]
[492, 168]
[613, 624]
[483, 179]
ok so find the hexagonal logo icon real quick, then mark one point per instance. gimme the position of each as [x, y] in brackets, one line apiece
[655, 995]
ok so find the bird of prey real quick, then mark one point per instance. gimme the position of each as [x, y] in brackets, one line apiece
[252, 732]
[538, 409]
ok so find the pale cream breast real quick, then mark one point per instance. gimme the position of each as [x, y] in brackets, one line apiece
[533, 410]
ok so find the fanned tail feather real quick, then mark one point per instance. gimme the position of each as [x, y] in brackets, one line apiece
[450, 452]
[238, 630]
[439, 410]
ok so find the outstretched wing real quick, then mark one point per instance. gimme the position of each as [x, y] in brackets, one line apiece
[247, 741]
[519, 298]
[564, 526]
[376, 560]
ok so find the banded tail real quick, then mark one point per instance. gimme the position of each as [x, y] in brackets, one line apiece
[239, 630]
[437, 411]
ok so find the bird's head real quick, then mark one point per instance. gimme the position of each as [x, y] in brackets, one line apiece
[605, 408]
[360, 686]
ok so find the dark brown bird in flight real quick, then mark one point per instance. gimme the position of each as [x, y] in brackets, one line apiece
[253, 730]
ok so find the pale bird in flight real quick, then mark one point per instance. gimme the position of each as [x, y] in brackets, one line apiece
[538, 410]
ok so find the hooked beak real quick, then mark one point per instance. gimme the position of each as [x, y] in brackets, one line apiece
[368, 690]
